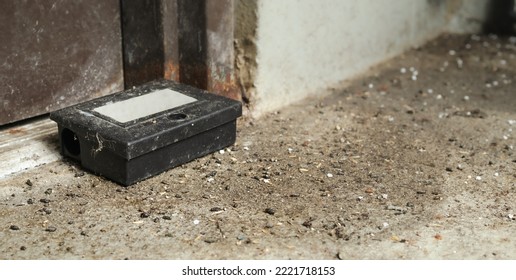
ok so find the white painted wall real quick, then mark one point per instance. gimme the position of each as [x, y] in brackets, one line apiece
[306, 46]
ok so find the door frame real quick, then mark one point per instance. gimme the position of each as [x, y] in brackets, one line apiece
[182, 40]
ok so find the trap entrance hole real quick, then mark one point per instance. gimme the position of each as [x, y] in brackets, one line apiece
[177, 117]
[70, 142]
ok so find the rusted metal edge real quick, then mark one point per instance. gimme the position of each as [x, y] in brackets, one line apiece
[193, 43]
[206, 48]
[220, 55]
[182, 40]
[142, 41]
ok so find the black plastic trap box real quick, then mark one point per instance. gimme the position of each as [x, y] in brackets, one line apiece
[138, 133]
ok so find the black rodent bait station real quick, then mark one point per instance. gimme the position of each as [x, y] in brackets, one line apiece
[138, 133]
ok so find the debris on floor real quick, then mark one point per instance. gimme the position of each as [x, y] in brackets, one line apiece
[415, 160]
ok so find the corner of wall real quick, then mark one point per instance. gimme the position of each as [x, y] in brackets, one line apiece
[245, 49]
[288, 50]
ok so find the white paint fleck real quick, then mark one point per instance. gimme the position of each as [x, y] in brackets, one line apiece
[459, 63]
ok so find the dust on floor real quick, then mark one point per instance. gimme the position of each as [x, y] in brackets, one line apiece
[415, 160]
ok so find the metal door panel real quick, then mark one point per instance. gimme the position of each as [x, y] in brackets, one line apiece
[57, 53]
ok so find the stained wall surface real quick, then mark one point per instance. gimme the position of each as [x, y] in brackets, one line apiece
[303, 46]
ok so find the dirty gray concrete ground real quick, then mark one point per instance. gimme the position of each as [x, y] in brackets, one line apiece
[415, 160]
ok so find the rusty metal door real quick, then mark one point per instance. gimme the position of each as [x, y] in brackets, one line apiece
[58, 53]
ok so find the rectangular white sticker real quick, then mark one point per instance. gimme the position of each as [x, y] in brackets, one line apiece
[144, 105]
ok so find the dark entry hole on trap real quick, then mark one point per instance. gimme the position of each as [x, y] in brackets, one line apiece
[177, 117]
[70, 142]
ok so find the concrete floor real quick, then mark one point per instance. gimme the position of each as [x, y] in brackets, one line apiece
[415, 160]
